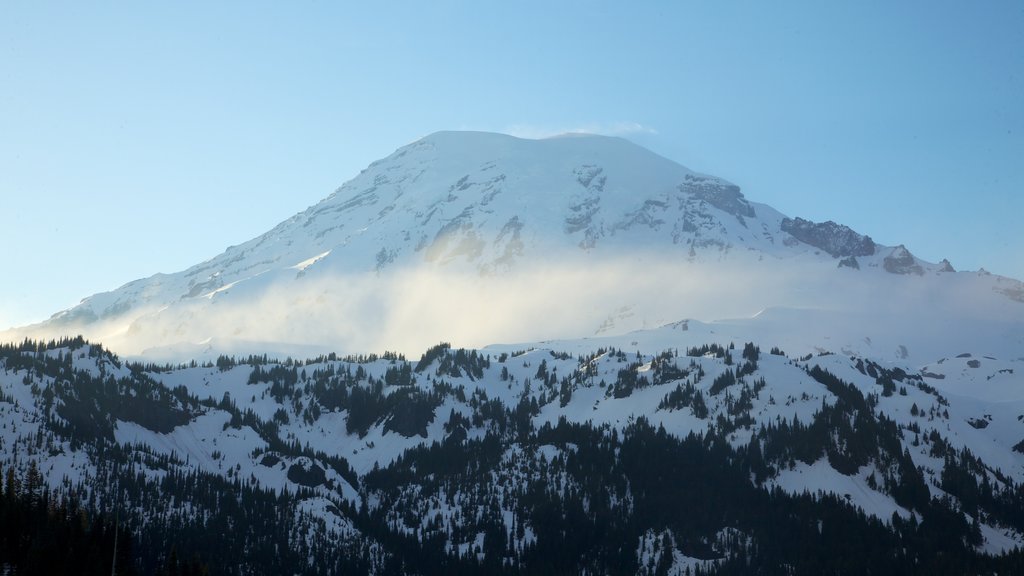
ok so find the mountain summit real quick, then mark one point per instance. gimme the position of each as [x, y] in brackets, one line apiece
[478, 237]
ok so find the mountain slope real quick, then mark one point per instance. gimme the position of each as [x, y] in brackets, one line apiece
[653, 453]
[478, 238]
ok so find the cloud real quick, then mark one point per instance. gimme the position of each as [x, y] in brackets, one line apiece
[410, 308]
[805, 302]
[534, 132]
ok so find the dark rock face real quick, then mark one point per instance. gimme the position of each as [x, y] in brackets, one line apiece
[836, 239]
[901, 261]
[725, 197]
[849, 262]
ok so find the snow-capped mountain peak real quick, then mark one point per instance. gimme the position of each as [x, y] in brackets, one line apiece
[480, 237]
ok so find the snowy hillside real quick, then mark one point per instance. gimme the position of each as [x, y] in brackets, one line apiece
[478, 238]
[472, 459]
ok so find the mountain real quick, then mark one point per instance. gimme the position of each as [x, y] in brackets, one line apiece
[477, 238]
[665, 378]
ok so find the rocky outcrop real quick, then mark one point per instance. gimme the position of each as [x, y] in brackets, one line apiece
[838, 240]
[849, 262]
[725, 197]
[1012, 289]
[901, 261]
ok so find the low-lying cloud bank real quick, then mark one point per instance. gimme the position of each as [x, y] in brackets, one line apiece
[407, 310]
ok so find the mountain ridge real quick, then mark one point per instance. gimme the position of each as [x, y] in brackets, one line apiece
[659, 447]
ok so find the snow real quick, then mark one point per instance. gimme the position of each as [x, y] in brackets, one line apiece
[999, 540]
[206, 440]
[480, 238]
[301, 266]
[821, 478]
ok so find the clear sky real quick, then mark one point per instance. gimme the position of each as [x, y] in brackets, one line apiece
[144, 137]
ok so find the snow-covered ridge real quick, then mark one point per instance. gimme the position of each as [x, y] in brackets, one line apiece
[683, 379]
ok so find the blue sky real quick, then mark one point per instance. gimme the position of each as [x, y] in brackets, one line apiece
[138, 138]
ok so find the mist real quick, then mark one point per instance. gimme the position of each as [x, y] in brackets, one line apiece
[408, 309]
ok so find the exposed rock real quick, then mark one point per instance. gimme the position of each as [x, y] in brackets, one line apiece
[209, 285]
[1014, 290]
[901, 261]
[588, 174]
[946, 266]
[385, 257]
[836, 239]
[725, 197]
[849, 262]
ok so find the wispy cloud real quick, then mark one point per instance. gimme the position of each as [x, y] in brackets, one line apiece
[410, 308]
[805, 303]
[602, 128]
